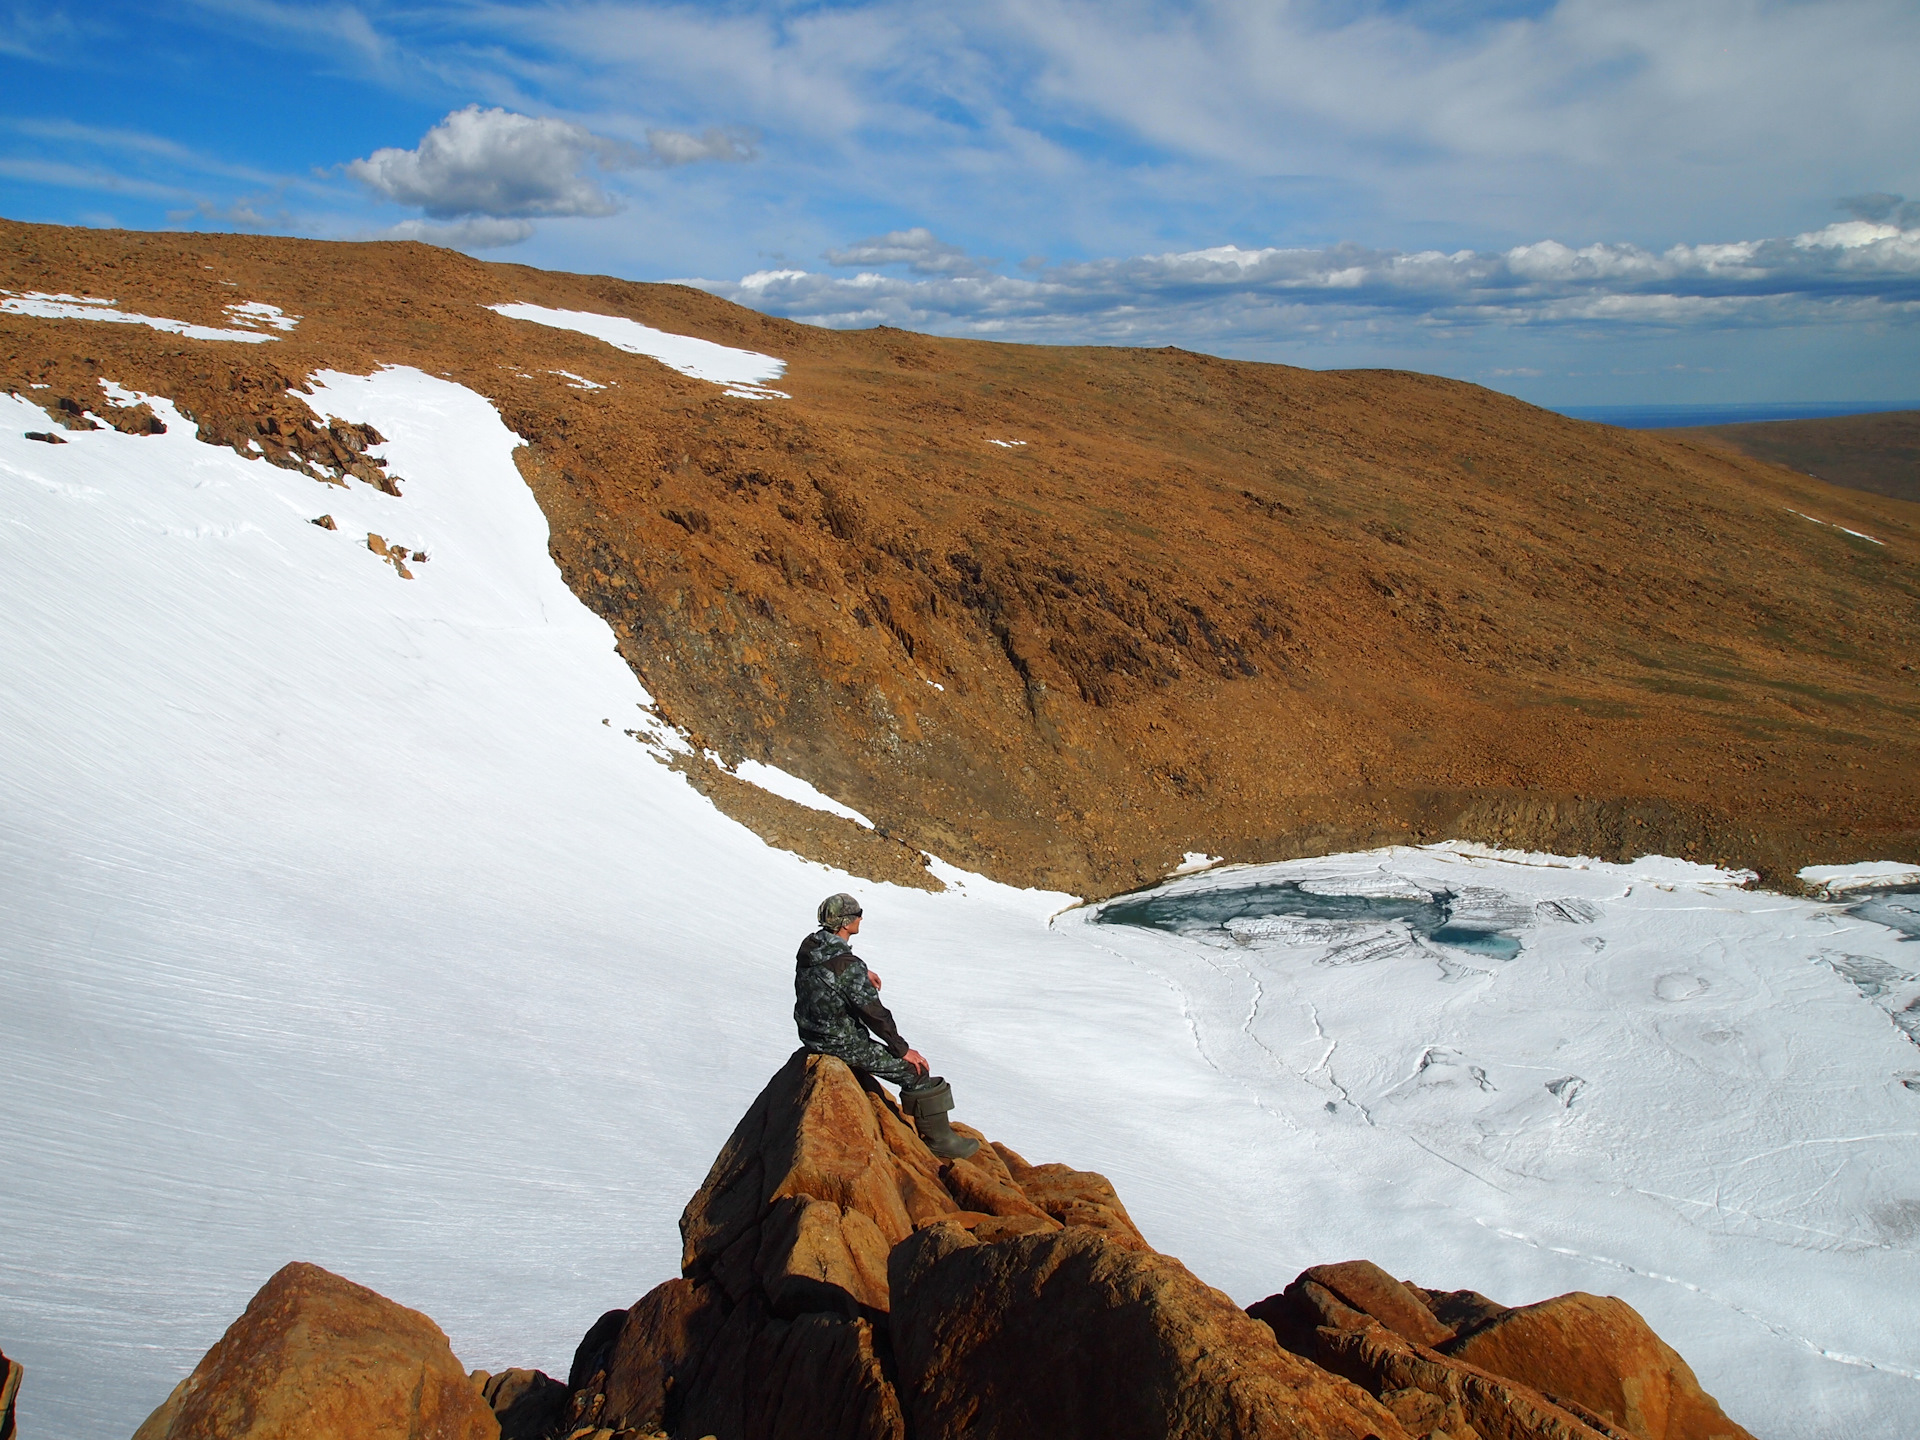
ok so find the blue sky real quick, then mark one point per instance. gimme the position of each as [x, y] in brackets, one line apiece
[1584, 203]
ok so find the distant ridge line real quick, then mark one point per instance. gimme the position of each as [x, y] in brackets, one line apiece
[1678, 417]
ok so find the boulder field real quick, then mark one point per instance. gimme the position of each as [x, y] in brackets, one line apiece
[840, 1282]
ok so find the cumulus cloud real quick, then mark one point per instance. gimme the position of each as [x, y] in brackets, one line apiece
[919, 249]
[1850, 270]
[499, 164]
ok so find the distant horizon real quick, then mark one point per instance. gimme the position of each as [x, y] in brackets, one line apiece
[1674, 417]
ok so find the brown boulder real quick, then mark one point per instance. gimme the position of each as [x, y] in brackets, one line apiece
[815, 1134]
[1075, 1197]
[10, 1373]
[1596, 1350]
[1369, 1289]
[316, 1357]
[527, 1403]
[1428, 1391]
[1071, 1334]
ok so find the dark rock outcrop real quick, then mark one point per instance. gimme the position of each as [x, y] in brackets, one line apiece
[527, 1403]
[10, 1373]
[1067, 1333]
[316, 1357]
[1570, 1368]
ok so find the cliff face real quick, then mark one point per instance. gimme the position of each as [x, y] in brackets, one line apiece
[840, 1282]
[1061, 615]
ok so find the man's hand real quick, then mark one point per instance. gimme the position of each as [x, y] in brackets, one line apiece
[874, 978]
[918, 1062]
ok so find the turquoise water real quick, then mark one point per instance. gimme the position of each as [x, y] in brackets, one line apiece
[1188, 912]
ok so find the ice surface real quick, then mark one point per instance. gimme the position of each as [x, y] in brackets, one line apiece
[744, 372]
[1837, 880]
[88, 307]
[341, 919]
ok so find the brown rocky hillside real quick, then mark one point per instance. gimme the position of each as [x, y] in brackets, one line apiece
[1877, 453]
[1206, 605]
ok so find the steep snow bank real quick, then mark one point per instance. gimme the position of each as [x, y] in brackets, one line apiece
[340, 920]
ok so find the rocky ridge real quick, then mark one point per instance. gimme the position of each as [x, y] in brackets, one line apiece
[840, 1282]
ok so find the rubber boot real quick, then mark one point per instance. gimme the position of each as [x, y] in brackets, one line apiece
[928, 1103]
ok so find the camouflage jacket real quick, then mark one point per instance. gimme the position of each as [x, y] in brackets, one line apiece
[835, 1003]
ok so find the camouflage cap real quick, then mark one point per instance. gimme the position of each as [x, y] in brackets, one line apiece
[836, 910]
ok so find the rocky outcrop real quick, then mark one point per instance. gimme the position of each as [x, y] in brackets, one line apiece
[527, 1403]
[1596, 1350]
[316, 1357]
[1067, 1333]
[1570, 1368]
[785, 1265]
[10, 1373]
[841, 1282]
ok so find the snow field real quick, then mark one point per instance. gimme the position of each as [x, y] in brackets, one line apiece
[340, 921]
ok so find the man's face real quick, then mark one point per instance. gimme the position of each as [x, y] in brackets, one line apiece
[850, 925]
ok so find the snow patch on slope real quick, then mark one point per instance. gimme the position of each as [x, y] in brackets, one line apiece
[776, 781]
[90, 307]
[744, 373]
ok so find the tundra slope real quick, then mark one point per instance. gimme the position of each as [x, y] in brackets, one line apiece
[1203, 605]
[339, 919]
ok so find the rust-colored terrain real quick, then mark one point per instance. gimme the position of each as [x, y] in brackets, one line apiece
[1876, 453]
[1207, 605]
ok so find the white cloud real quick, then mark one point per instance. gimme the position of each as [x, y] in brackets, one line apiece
[497, 163]
[1851, 270]
[918, 249]
[480, 232]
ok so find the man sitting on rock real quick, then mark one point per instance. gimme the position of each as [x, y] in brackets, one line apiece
[837, 1008]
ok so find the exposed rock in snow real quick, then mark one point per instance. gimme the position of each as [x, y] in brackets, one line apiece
[323, 1358]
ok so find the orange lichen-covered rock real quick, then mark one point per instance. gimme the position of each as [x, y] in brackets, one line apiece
[1069, 1334]
[316, 1357]
[815, 1133]
[1596, 1350]
[1369, 1289]
[842, 1281]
